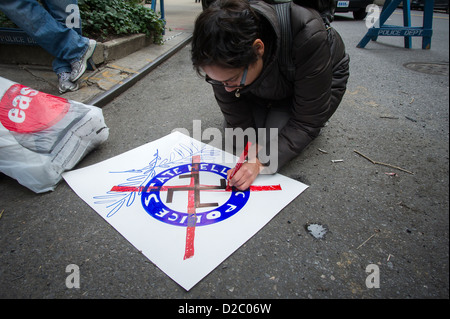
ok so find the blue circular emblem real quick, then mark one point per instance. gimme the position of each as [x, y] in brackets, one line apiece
[188, 188]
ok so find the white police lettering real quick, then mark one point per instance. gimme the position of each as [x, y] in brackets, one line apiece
[390, 32]
[413, 33]
[21, 103]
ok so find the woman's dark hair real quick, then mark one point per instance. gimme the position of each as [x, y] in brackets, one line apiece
[224, 34]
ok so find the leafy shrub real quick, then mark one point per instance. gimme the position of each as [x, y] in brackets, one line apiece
[103, 18]
[5, 22]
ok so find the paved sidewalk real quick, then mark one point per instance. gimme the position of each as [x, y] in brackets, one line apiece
[113, 77]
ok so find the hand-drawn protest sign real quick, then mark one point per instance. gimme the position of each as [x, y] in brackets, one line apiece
[168, 198]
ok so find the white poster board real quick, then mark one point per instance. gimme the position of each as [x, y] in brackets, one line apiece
[168, 199]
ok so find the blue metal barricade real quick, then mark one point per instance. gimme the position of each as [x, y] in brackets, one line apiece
[406, 31]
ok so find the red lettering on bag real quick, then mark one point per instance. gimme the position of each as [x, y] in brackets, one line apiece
[25, 110]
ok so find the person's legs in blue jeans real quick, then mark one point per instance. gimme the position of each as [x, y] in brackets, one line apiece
[61, 42]
[50, 31]
[60, 11]
[67, 13]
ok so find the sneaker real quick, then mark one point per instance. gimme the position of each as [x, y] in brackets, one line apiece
[65, 84]
[80, 66]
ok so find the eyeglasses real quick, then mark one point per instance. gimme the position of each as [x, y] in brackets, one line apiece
[219, 83]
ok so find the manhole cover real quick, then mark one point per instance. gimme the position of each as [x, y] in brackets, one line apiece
[428, 68]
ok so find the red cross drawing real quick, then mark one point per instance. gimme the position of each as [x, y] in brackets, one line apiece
[193, 188]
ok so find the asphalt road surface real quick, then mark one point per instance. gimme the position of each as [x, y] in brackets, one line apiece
[379, 221]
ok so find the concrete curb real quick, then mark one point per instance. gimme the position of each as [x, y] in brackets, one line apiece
[119, 48]
[125, 66]
[104, 53]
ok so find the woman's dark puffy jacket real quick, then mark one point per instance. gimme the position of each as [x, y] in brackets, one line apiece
[321, 74]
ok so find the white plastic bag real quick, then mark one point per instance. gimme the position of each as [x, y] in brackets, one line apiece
[42, 135]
